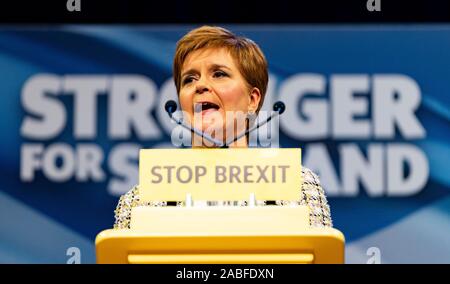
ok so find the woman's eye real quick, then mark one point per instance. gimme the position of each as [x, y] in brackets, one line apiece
[187, 80]
[218, 74]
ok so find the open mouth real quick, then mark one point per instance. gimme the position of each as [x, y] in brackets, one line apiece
[205, 106]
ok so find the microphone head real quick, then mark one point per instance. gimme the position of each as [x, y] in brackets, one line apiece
[279, 107]
[170, 106]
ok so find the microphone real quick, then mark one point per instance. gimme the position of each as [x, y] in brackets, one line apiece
[171, 106]
[279, 107]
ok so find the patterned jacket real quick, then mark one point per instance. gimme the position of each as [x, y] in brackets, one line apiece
[311, 194]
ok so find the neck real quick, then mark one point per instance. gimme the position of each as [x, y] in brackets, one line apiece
[198, 142]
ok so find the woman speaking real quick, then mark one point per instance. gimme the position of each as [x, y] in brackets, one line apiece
[217, 73]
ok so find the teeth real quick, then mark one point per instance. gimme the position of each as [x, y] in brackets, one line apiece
[198, 107]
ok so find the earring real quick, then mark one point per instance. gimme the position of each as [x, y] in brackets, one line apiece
[251, 116]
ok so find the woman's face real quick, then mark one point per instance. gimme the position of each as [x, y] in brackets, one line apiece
[211, 86]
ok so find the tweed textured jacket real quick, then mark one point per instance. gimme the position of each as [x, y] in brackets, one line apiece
[311, 194]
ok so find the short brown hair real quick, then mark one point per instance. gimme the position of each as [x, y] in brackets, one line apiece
[247, 55]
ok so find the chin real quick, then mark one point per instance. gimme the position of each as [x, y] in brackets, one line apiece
[213, 128]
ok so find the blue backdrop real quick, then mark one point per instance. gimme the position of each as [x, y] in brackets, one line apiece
[369, 106]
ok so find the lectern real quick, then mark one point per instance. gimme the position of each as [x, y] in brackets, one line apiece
[198, 233]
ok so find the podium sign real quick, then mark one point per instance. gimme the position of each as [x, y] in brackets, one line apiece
[219, 174]
[220, 234]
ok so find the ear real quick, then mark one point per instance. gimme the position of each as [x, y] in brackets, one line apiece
[254, 99]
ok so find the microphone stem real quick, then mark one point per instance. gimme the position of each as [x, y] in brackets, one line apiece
[251, 129]
[199, 133]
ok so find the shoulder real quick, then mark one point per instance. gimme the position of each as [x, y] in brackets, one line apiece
[122, 214]
[309, 176]
[131, 197]
[313, 195]
[127, 201]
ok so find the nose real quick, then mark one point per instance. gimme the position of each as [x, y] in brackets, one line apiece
[202, 86]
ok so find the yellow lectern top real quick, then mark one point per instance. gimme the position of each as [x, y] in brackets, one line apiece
[272, 234]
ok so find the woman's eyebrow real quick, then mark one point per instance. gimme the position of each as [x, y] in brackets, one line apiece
[218, 66]
[212, 67]
[188, 72]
